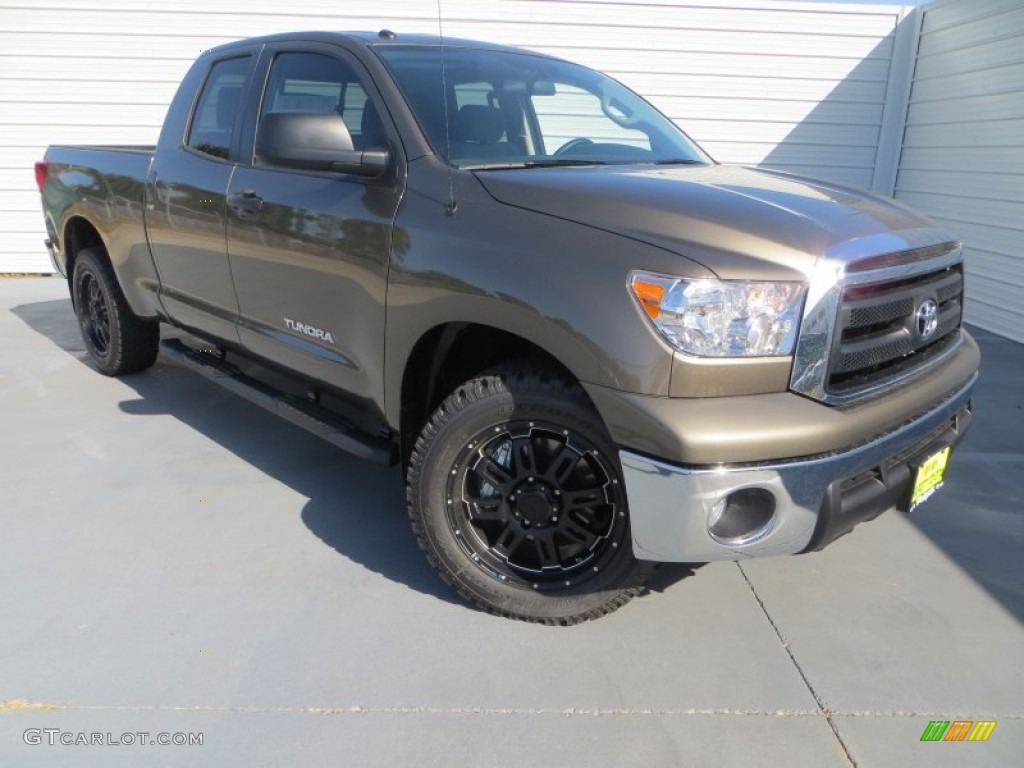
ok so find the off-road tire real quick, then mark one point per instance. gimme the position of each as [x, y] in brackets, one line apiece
[118, 342]
[572, 565]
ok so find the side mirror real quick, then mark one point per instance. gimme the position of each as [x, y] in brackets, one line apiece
[316, 142]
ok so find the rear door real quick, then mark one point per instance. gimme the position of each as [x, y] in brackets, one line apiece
[186, 208]
[309, 250]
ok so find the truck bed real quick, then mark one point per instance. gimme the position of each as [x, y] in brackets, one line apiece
[104, 185]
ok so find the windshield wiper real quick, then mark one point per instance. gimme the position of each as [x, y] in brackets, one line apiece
[556, 161]
[552, 163]
[678, 161]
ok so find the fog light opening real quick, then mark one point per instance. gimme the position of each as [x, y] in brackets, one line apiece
[742, 517]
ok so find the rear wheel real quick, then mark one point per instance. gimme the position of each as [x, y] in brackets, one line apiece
[117, 340]
[515, 493]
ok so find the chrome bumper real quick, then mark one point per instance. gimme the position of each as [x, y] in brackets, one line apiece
[52, 250]
[671, 506]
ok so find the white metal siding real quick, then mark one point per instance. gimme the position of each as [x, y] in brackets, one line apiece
[963, 150]
[794, 85]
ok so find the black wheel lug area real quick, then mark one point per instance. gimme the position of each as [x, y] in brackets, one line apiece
[534, 503]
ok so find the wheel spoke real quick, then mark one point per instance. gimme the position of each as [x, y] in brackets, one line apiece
[508, 541]
[491, 471]
[484, 508]
[524, 460]
[489, 501]
[547, 552]
[103, 328]
[587, 499]
[562, 465]
[577, 533]
[97, 317]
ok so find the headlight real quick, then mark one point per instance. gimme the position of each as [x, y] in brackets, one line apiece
[721, 318]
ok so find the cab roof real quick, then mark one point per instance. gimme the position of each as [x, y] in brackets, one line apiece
[383, 38]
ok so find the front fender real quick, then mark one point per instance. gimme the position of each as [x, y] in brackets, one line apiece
[560, 285]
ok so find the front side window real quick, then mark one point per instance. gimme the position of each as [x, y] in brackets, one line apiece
[572, 113]
[214, 120]
[495, 109]
[315, 83]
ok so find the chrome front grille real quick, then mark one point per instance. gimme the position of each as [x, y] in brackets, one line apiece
[877, 316]
[882, 330]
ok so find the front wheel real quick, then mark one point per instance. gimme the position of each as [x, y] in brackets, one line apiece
[515, 493]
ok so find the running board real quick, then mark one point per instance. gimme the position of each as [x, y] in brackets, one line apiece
[311, 417]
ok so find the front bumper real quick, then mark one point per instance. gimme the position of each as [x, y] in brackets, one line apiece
[816, 499]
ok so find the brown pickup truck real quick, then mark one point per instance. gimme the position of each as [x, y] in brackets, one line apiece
[591, 348]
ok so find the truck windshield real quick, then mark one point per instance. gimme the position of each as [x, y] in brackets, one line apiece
[515, 110]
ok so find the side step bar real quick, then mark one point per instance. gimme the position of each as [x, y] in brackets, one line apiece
[311, 417]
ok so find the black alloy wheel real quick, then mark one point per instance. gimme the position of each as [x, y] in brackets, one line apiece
[516, 495]
[535, 505]
[96, 315]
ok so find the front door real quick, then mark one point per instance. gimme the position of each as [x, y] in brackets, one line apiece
[309, 250]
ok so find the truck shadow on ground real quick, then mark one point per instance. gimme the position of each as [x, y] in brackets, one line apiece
[355, 507]
[978, 520]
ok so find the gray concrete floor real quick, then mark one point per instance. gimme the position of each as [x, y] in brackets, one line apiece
[172, 559]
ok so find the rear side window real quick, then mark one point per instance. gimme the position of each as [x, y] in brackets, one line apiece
[218, 109]
[313, 82]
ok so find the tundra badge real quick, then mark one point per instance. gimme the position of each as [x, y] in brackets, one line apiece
[310, 330]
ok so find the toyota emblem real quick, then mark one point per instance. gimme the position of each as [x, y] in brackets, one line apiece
[927, 318]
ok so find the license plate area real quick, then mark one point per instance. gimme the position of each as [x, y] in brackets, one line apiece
[929, 476]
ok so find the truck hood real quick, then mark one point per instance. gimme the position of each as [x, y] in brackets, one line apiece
[737, 222]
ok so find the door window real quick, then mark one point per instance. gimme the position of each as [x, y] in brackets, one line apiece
[313, 82]
[570, 113]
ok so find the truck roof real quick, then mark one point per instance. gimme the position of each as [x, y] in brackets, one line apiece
[368, 39]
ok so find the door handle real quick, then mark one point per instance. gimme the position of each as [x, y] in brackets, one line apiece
[245, 202]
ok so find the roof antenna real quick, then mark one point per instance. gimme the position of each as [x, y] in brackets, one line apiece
[452, 205]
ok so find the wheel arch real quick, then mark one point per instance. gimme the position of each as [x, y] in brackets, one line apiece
[451, 353]
[79, 233]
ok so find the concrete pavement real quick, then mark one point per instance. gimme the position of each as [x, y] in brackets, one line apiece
[173, 559]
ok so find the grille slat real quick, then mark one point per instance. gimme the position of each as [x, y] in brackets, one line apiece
[874, 351]
[879, 335]
[861, 316]
[950, 290]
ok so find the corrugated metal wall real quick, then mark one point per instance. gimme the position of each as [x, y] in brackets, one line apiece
[963, 150]
[796, 85]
